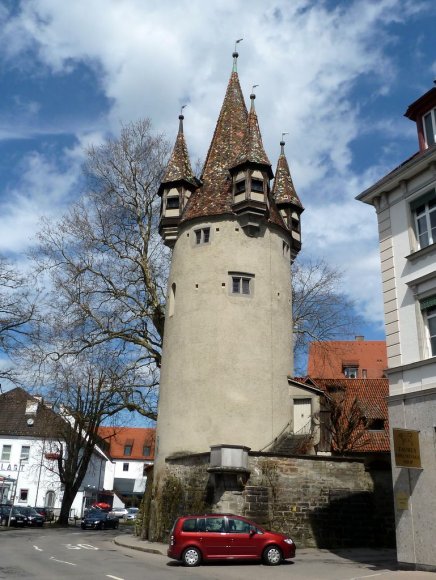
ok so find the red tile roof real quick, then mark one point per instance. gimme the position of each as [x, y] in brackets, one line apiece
[137, 437]
[371, 395]
[328, 359]
[179, 166]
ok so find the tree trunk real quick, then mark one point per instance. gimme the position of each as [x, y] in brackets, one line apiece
[67, 502]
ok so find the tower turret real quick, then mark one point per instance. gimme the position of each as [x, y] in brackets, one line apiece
[287, 200]
[251, 173]
[176, 188]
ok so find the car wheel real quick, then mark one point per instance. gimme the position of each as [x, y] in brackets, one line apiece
[102, 526]
[272, 556]
[116, 524]
[191, 557]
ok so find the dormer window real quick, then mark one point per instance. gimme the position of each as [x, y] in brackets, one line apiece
[240, 186]
[257, 185]
[429, 122]
[173, 202]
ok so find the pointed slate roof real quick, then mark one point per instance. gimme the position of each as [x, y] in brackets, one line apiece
[236, 139]
[230, 133]
[179, 166]
[253, 150]
[283, 189]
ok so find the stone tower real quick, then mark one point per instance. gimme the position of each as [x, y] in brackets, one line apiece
[228, 335]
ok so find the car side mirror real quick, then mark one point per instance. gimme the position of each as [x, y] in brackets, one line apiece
[252, 532]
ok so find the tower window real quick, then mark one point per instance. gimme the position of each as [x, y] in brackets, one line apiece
[257, 185]
[125, 467]
[172, 202]
[240, 186]
[242, 285]
[429, 122]
[202, 236]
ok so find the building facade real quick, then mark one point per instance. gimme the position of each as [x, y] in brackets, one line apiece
[28, 474]
[405, 202]
[132, 452]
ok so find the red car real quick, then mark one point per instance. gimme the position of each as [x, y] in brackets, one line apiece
[195, 539]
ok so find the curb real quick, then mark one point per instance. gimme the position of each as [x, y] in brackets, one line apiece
[144, 548]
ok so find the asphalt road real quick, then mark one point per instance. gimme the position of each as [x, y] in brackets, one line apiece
[58, 554]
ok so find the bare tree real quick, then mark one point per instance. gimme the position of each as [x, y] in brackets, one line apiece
[105, 259]
[88, 389]
[320, 309]
[17, 311]
[344, 422]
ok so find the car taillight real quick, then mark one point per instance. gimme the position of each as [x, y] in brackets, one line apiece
[172, 540]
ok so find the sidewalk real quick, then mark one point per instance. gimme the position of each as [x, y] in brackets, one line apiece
[362, 555]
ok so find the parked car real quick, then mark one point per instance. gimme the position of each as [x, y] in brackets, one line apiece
[33, 518]
[46, 512]
[195, 539]
[99, 520]
[17, 518]
[119, 512]
[132, 513]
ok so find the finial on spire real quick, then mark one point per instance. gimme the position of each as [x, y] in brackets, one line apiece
[236, 54]
[181, 117]
[253, 96]
[282, 144]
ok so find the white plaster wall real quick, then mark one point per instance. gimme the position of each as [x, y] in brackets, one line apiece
[226, 358]
[39, 476]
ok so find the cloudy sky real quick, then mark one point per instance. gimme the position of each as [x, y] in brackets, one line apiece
[337, 76]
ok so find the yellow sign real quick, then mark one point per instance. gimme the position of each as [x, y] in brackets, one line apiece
[406, 448]
[402, 500]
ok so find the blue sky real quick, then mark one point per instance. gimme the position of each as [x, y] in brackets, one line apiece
[336, 76]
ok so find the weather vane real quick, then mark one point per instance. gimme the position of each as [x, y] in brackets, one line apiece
[253, 87]
[283, 134]
[237, 42]
[181, 110]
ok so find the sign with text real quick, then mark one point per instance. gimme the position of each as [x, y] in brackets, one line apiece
[406, 448]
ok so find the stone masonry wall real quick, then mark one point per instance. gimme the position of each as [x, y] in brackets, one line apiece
[321, 502]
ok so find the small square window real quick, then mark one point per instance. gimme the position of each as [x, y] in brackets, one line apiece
[240, 186]
[257, 185]
[202, 236]
[242, 284]
[172, 202]
[24, 495]
[125, 467]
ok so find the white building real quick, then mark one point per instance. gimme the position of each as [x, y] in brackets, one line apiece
[132, 451]
[28, 474]
[405, 202]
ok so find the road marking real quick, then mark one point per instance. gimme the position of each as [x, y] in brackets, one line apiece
[62, 561]
[71, 547]
[114, 577]
[39, 549]
[369, 576]
[88, 547]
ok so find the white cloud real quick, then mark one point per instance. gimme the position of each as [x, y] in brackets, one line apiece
[150, 58]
